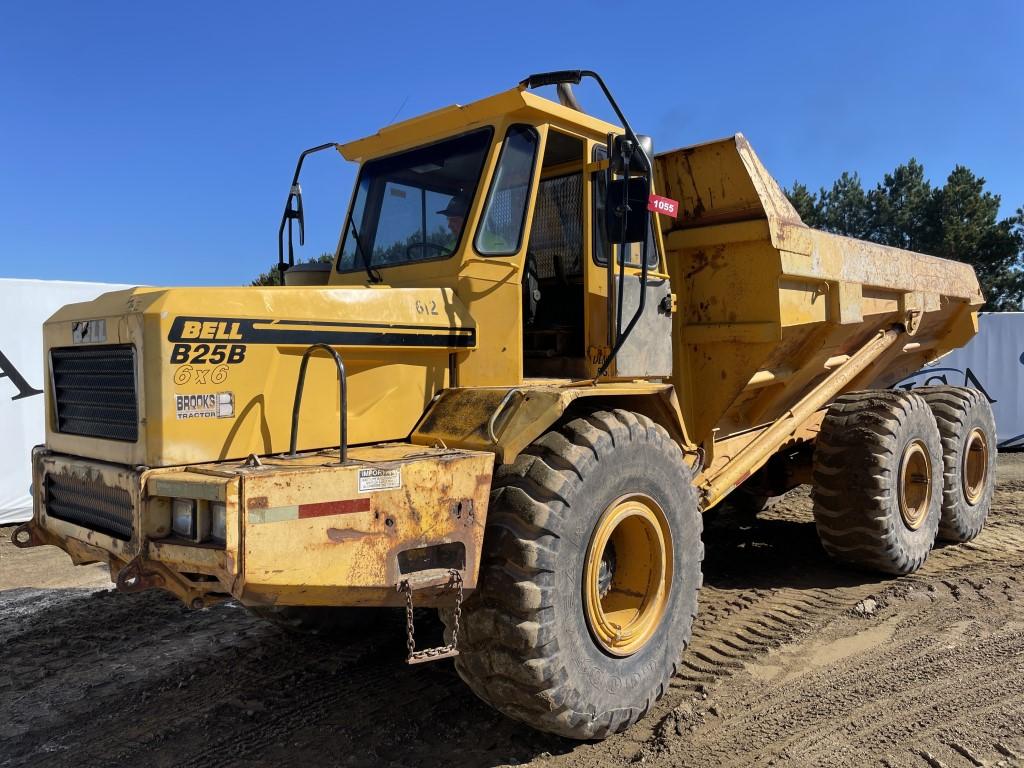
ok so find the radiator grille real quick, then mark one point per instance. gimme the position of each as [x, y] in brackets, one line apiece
[94, 391]
[90, 503]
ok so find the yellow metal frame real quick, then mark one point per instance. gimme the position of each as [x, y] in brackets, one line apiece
[300, 531]
[504, 420]
[770, 321]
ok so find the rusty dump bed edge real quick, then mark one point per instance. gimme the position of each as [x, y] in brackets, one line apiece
[768, 306]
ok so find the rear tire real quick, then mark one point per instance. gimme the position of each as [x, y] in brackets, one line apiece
[533, 640]
[968, 433]
[878, 480]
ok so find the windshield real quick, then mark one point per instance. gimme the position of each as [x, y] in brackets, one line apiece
[412, 206]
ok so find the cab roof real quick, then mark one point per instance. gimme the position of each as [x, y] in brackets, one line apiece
[457, 118]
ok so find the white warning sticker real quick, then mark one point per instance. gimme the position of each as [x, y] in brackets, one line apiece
[216, 405]
[376, 479]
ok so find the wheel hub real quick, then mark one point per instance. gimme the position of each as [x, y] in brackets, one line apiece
[974, 472]
[606, 572]
[627, 574]
[915, 485]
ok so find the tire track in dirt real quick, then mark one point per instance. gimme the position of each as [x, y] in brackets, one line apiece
[749, 625]
[109, 679]
[812, 707]
[736, 625]
[142, 678]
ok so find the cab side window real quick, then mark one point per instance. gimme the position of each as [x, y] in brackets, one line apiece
[501, 229]
[554, 323]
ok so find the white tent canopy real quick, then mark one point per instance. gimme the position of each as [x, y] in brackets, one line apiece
[26, 304]
[992, 362]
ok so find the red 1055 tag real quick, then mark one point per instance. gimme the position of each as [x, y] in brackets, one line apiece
[663, 205]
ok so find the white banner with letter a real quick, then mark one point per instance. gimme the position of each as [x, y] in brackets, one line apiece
[993, 363]
[24, 306]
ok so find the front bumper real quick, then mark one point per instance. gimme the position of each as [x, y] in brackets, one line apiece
[301, 531]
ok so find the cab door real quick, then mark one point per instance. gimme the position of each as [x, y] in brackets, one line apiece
[647, 352]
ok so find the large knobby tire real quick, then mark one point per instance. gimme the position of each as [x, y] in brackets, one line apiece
[534, 640]
[878, 480]
[968, 433]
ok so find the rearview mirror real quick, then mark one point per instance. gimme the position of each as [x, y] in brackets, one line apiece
[623, 147]
[626, 214]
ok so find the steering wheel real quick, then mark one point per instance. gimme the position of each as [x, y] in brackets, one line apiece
[443, 249]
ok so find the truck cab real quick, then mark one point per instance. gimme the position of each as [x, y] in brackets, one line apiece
[510, 213]
[197, 440]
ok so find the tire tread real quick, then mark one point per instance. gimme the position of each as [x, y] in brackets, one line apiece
[511, 657]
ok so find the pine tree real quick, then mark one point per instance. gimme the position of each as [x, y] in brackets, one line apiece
[959, 220]
[273, 277]
[844, 208]
[806, 204]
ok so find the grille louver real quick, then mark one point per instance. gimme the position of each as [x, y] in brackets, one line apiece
[91, 504]
[94, 391]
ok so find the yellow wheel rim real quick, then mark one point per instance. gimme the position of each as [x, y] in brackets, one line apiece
[628, 574]
[975, 469]
[915, 485]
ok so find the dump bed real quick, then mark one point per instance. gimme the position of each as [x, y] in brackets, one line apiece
[767, 306]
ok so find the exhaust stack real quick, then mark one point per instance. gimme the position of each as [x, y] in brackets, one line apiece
[567, 98]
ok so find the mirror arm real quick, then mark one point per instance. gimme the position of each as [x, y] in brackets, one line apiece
[611, 258]
[622, 336]
[636, 315]
[648, 172]
[574, 77]
[623, 215]
[295, 212]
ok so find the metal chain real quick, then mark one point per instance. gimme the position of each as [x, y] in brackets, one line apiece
[457, 578]
[410, 640]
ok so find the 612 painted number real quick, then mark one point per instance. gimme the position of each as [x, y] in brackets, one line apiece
[423, 308]
[207, 354]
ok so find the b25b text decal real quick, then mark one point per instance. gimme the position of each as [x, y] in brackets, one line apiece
[207, 354]
[185, 331]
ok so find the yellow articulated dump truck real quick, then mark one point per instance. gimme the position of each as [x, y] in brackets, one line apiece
[541, 353]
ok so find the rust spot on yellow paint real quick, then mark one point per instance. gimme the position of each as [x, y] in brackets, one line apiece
[341, 535]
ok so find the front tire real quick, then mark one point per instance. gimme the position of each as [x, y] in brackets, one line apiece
[589, 580]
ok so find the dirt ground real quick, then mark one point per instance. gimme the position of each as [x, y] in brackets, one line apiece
[795, 661]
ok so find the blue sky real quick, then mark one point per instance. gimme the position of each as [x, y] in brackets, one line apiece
[154, 143]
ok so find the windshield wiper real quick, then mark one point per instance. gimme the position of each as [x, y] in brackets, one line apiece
[371, 273]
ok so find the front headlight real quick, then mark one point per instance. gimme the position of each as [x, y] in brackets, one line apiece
[193, 520]
[218, 521]
[183, 518]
